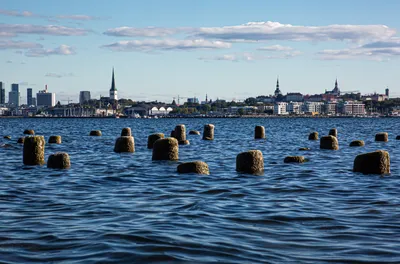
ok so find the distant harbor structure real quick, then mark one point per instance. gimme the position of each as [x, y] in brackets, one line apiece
[84, 96]
[45, 99]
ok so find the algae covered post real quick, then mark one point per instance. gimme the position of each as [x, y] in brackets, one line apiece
[55, 140]
[259, 132]
[208, 133]
[124, 144]
[33, 152]
[59, 160]
[377, 162]
[153, 138]
[251, 161]
[199, 167]
[166, 149]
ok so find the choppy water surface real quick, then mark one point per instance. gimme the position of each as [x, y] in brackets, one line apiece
[126, 208]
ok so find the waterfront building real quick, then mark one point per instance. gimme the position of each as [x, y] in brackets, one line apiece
[29, 96]
[34, 101]
[294, 97]
[312, 107]
[45, 99]
[352, 108]
[4, 111]
[331, 108]
[2, 94]
[113, 89]
[280, 108]
[13, 96]
[375, 97]
[160, 110]
[295, 108]
[84, 96]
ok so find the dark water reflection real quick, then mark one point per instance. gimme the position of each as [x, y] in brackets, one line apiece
[125, 208]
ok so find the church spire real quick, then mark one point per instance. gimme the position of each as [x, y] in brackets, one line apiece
[277, 90]
[336, 84]
[113, 90]
[113, 82]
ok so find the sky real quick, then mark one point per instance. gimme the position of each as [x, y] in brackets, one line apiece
[228, 49]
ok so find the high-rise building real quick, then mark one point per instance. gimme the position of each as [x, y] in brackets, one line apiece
[13, 96]
[45, 99]
[84, 96]
[34, 101]
[387, 92]
[29, 96]
[113, 90]
[2, 93]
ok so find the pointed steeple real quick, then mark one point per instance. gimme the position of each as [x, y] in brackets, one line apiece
[277, 90]
[113, 88]
[336, 84]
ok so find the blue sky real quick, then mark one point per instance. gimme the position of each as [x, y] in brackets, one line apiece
[228, 49]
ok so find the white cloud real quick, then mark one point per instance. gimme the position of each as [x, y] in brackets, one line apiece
[53, 75]
[276, 48]
[249, 56]
[143, 32]
[50, 18]
[53, 30]
[149, 45]
[16, 13]
[12, 44]
[379, 50]
[78, 17]
[263, 31]
[7, 35]
[58, 75]
[61, 50]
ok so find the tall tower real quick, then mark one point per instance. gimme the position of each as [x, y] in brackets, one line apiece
[387, 92]
[113, 90]
[277, 90]
[29, 96]
[13, 96]
[2, 93]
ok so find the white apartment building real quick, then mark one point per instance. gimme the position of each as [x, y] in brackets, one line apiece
[331, 108]
[313, 107]
[295, 108]
[353, 108]
[280, 108]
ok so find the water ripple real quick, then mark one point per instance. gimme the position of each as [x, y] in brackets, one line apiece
[125, 208]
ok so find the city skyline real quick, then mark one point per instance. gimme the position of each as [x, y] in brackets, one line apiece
[227, 50]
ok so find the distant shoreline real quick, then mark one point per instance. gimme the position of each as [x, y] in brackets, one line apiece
[180, 117]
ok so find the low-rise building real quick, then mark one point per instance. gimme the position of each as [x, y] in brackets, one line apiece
[294, 97]
[313, 107]
[280, 108]
[331, 108]
[352, 108]
[295, 108]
